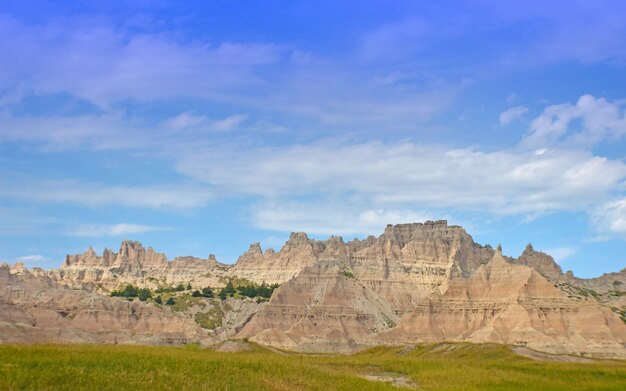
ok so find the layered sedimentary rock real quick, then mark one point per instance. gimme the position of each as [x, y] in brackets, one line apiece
[541, 262]
[36, 309]
[608, 289]
[325, 308]
[411, 261]
[415, 282]
[512, 304]
[277, 267]
[431, 282]
[133, 264]
[406, 263]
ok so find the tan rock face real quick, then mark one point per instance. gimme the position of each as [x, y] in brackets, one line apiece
[135, 265]
[541, 262]
[326, 308]
[512, 304]
[415, 282]
[272, 267]
[608, 289]
[35, 309]
[409, 262]
[406, 263]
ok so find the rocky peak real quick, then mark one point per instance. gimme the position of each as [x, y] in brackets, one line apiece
[18, 268]
[298, 237]
[133, 258]
[255, 248]
[404, 233]
[335, 243]
[335, 248]
[299, 243]
[89, 258]
[130, 248]
[498, 259]
[541, 262]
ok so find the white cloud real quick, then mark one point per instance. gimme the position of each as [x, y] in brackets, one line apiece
[427, 176]
[95, 194]
[511, 98]
[34, 260]
[113, 230]
[104, 64]
[188, 120]
[114, 131]
[323, 218]
[105, 131]
[184, 120]
[561, 254]
[31, 258]
[610, 217]
[229, 123]
[109, 66]
[512, 114]
[599, 120]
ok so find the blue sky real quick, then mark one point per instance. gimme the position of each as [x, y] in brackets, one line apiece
[200, 128]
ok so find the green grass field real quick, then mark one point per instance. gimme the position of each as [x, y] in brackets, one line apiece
[434, 367]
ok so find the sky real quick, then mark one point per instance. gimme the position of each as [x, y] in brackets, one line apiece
[200, 127]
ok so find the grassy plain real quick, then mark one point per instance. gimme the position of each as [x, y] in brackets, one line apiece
[427, 367]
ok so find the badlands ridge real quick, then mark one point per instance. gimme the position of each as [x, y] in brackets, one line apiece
[422, 282]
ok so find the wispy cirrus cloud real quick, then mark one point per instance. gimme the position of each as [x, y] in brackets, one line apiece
[121, 229]
[33, 260]
[561, 254]
[97, 194]
[110, 66]
[104, 64]
[330, 218]
[114, 131]
[512, 114]
[187, 120]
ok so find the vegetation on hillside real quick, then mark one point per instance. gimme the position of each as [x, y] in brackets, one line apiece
[237, 288]
[131, 291]
[245, 288]
[426, 367]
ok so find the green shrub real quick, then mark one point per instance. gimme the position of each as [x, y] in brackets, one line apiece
[207, 292]
[128, 291]
[144, 294]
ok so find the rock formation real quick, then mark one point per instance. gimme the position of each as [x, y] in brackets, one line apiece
[541, 262]
[512, 304]
[328, 308]
[415, 282]
[324, 309]
[608, 289]
[35, 309]
[406, 263]
[145, 268]
[272, 267]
